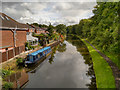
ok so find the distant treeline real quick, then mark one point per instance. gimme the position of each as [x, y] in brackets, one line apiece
[103, 28]
[40, 25]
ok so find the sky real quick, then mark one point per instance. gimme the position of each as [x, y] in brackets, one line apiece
[56, 12]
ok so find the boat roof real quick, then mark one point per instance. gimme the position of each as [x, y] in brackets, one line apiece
[39, 51]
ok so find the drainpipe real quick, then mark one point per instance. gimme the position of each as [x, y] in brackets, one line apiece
[14, 38]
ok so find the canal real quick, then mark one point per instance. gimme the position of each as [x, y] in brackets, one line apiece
[69, 66]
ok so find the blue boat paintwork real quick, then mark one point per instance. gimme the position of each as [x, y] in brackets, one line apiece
[37, 55]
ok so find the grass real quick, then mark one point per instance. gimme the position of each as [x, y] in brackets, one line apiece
[103, 72]
[114, 58]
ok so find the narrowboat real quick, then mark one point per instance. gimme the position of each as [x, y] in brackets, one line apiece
[37, 55]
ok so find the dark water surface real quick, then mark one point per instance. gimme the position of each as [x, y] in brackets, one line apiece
[70, 66]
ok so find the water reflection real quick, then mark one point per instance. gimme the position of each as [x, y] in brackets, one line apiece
[51, 60]
[66, 68]
[33, 68]
[81, 47]
[18, 79]
[62, 47]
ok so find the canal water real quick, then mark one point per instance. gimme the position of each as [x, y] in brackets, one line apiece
[69, 66]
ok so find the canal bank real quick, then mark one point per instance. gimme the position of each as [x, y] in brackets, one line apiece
[115, 69]
[103, 72]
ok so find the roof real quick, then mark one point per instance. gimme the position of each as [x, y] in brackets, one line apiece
[39, 51]
[8, 23]
[37, 27]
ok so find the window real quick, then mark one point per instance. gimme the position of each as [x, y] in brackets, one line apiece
[7, 18]
[2, 17]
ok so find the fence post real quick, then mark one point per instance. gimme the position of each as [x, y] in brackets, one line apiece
[19, 50]
[7, 53]
[14, 51]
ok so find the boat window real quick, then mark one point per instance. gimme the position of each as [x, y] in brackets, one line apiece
[27, 58]
[38, 55]
[30, 57]
[33, 57]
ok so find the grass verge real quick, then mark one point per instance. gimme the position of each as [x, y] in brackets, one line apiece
[113, 57]
[103, 72]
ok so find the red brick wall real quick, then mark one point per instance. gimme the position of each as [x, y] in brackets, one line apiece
[4, 56]
[10, 54]
[7, 38]
[20, 38]
[22, 49]
[16, 50]
[0, 57]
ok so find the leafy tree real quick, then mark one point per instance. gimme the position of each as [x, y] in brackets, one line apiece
[50, 29]
[61, 29]
[102, 29]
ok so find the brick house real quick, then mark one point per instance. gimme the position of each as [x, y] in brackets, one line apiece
[32, 40]
[39, 30]
[13, 37]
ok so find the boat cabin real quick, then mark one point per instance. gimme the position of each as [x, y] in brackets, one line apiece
[37, 55]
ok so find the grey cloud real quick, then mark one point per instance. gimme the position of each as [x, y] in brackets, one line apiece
[46, 12]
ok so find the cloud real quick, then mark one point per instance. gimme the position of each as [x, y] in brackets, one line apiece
[45, 12]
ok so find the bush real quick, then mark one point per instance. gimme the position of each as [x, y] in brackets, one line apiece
[5, 73]
[28, 46]
[20, 61]
[7, 85]
[33, 34]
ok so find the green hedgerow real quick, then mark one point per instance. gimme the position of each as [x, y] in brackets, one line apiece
[7, 85]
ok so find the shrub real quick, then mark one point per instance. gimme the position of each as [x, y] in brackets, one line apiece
[7, 85]
[20, 61]
[5, 73]
[33, 34]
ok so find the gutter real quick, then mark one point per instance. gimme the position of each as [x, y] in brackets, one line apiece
[9, 28]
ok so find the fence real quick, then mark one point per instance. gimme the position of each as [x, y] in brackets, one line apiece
[11, 53]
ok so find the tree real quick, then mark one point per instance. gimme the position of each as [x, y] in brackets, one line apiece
[61, 29]
[101, 29]
[50, 29]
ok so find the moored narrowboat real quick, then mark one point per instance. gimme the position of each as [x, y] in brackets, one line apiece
[37, 55]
